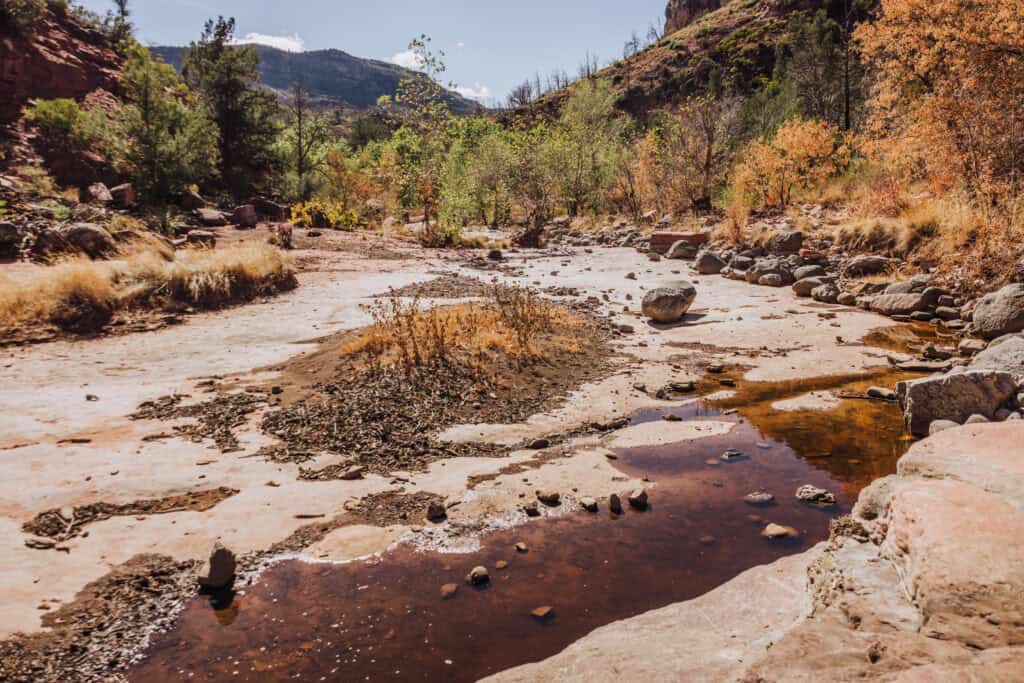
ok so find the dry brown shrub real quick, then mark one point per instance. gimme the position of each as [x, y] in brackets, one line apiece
[509, 322]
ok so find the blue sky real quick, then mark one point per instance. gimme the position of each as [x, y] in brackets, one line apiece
[490, 46]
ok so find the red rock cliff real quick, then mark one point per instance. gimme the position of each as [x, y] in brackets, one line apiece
[680, 13]
[62, 59]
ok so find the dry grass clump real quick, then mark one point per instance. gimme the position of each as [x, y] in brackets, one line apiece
[81, 296]
[510, 321]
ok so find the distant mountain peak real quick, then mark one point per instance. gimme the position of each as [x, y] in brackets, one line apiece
[333, 77]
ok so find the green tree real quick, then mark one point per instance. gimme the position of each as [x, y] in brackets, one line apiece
[305, 141]
[586, 146]
[225, 77]
[168, 144]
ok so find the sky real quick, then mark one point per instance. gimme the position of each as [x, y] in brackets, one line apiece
[489, 46]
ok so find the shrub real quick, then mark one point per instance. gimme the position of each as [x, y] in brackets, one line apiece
[800, 155]
[321, 213]
[22, 16]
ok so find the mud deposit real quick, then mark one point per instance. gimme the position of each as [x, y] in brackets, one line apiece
[385, 618]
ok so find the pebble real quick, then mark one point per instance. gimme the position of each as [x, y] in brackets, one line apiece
[531, 509]
[500, 564]
[732, 454]
[449, 590]
[638, 499]
[543, 613]
[478, 576]
[549, 497]
[774, 531]
[758, 498]
[615, 504]
[522, 548]
[588, 504]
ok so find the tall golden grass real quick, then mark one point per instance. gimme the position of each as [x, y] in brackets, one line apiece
[148, 274]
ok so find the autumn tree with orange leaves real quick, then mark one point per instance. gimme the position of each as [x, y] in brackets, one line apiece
[949, 100]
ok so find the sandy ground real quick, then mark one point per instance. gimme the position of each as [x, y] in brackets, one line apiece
[44, 403]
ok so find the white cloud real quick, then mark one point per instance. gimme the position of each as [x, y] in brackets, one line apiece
[408, 59]
[292, 43]
[460, 44]
[477, 92]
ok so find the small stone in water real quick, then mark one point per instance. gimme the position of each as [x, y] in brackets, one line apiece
[707, 540]
[774, 531]
[522, 548]
[638, 499]
[615, 504]
[733, 454]
[500, 564]
[478, 576]
[543, 613]
[815, 496]
[589, 504]
[449, 590]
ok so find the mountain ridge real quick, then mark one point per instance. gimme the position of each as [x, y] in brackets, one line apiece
[333, 77]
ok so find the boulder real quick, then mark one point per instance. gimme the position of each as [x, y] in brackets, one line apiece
[954, 396]
[10, 238]
[867, 265]
[123, 196]
[771, 280]
[815, 496]
[668, 305]
[827, 293]
[190, 201]
[708, 263]
[741, 263]
[244, 216]
[847, 299]
[661, 242]
[905, 304]
[786, 242]
[270, 210]
[804, 286]
[808, 271]
[436, 512]
[92, 240]
[1000, 312]
[211, 218]
[219, 571]
[680, 250]
[99, 193]
[1005, 357]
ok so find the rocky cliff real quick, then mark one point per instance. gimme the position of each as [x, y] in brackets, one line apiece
[681, 13]
[61, 58]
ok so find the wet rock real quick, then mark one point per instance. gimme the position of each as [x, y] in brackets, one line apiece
[881, 394]
[708, 263]
[436, 512]
[588, 504]
[449, 590]
[549, 497]
[501, 564]
[668, 305]
[522, 548]
[1000, 312]
[758, 498]
[732, 455]
[815, 496]
[955, 396]
[478, 576]
[940, 426]
[91, 240]
[218, 572]
[615, 504]
[638, 499]
[543, 613]
[776, 531]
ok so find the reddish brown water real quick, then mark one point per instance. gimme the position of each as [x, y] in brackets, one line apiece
[385, 620]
